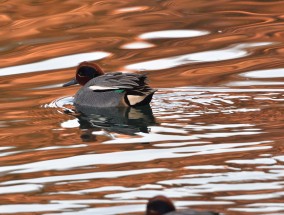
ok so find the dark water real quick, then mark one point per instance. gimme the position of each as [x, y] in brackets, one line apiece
[212, 140]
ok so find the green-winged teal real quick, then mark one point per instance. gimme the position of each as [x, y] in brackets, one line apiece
[111, 89]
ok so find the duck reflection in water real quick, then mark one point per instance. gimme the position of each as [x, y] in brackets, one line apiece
[123, 120]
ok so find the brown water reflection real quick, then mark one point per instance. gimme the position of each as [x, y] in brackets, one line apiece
[212, 140]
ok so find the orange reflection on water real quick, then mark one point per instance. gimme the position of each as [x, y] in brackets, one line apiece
[212, 140]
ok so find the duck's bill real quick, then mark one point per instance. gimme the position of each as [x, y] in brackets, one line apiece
[72, 82]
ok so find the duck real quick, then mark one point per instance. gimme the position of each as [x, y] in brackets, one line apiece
[114, 89]
[161, 205]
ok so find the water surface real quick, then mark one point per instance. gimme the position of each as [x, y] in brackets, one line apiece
[211, 140]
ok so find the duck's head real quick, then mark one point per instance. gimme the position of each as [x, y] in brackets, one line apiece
[159, 205]
[85, 72]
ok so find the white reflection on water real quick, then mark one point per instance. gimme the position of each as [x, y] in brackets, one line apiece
[97, 201]
[257, 196]
[85, 176]
[280, 158]
[130, 157]
[108, 188]
[271, 167]
[254, 83]
[100, 189]
[169, 192]
[3, 154]
[224, 90]
[253, 161]
[21, 188]
[6, 147]
[208, 167]
[172, 34]
[29, 208]
[137, 45]
[170, 62]
[233, 52]
[269, 73]
[261, 207]
[152, 137]
[191, 190]
[216, 126]
[208, 180]
[54, 63]
[109, 210]
[223, 187]
[130, 9]
[61, 147]
[72, 123]
[47, 87]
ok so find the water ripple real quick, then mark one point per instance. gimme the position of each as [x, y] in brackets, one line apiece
[213, 138]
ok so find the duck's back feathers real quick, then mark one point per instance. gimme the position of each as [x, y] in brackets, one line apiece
[134, 84]
[116, 89]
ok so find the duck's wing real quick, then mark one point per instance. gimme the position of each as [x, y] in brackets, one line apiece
[133, 84]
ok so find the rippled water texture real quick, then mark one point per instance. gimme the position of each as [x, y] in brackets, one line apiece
[213, 139]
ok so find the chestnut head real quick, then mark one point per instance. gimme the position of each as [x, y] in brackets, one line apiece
[159, 205]
[84, 73]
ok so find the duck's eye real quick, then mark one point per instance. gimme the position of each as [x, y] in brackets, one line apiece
[87, 71]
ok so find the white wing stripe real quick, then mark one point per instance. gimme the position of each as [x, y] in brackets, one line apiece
[102, 88]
